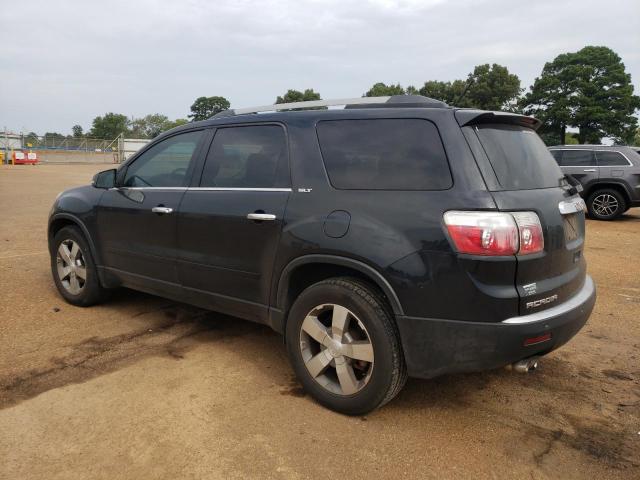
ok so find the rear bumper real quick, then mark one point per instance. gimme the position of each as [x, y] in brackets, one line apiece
[434, 347]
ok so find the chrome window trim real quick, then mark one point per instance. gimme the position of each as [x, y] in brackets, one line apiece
[629, 162]
[238, 189]
[149, 188]
[213, 189]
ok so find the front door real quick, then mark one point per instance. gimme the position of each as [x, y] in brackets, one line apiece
[136, 221]
[229, 226]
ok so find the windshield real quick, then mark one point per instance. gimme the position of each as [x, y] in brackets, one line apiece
[519, 157]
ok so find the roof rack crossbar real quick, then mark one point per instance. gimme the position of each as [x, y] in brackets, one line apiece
[310, 104]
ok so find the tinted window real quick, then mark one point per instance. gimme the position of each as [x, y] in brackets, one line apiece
[247, 157]
[519, 158]
[395, 154]
[165, 164]
[557, 155]
[577, 158]
[611, 159]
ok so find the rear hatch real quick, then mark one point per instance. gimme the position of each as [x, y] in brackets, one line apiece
[523, 176]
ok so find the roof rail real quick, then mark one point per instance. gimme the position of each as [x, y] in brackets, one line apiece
[360, 102]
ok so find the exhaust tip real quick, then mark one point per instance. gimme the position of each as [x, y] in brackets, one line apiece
[525, 366]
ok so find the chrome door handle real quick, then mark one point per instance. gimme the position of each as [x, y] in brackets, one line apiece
[589, 170]
[261, 216]
[162, 210]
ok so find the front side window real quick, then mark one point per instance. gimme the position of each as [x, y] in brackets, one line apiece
[384, 154]
[247, 157]
[578, 158]
[611, 159]
[165, 164]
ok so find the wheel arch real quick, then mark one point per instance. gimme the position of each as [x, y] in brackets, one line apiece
[617, 186]
[61, 220]
[304, 271]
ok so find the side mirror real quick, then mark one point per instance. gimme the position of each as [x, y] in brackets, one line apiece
[105, 179]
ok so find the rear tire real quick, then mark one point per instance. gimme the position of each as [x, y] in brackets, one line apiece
[71, 260]
[606, 204]
[344, 346]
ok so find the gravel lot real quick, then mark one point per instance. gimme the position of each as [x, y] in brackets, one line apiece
[143, 387]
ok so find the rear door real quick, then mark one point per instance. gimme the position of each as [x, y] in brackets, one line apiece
[580, 164]
[229, 225]
[528, 179]
[611, 164]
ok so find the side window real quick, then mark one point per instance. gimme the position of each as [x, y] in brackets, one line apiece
[384, 154]
[165, 164]
[557, 155]
[611, 159]
[577, 158]
[247, 157]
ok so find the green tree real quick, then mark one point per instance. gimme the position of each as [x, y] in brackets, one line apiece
[636, 138]
[571, 139]
[109, 126]
[488, 87]
[77, 131]
[56, 135]
[549, 98]
[150, 126]
[155, 124]
[206, 107]
[31, 138]
[137, 128]
[589, 90]
[451, 93]
[383, 90]
[297, 96]
[176, 123]
[492, 87]
[605, 102]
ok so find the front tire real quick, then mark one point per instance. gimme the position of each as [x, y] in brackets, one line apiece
[344, 346]
[73, 269]
[606, 204]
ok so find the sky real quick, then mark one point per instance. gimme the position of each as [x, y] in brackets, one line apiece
[65, 62]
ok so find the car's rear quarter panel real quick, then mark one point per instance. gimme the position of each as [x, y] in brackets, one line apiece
[398, 233]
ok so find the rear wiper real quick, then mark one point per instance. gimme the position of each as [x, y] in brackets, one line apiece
[576, 186]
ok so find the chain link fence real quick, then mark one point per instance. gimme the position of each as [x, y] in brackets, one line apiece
[61, 149]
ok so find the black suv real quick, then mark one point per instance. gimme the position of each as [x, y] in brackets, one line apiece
[610, 176]
[394, 237]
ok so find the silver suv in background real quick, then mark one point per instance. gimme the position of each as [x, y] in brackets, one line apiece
[610, 176]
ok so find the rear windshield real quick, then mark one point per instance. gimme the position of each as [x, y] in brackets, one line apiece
[519, 157]
[384, 154]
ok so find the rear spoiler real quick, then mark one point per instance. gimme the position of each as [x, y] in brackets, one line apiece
[477, 117]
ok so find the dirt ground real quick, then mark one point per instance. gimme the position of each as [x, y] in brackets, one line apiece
[142, 387]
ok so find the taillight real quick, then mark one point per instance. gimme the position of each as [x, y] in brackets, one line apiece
[530, 232]
[495, 233]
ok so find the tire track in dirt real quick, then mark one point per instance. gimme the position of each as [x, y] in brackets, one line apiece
[96, 356]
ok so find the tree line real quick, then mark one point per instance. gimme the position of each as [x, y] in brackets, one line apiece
[588, 91]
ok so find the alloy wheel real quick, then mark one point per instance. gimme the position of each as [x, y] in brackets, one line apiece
[71, 266]
[336, 349]
[605, 205]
